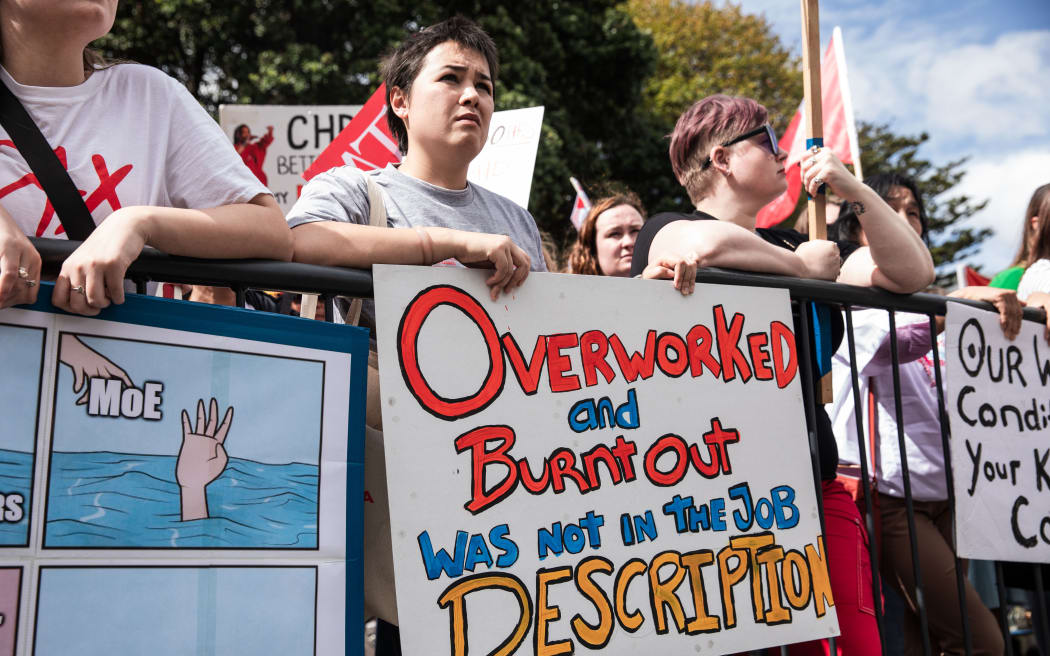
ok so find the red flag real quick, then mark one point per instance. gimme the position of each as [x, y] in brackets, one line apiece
[967, 276]
[840, 133]
[366, 142]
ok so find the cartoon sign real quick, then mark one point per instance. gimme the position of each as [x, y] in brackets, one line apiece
[996, 397]
[180, 489]
[596, 463]
[279, 142]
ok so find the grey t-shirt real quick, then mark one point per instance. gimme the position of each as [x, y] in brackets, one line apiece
[341, 194]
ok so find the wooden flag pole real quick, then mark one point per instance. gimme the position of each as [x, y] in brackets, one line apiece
[818, 227]
[817, 206]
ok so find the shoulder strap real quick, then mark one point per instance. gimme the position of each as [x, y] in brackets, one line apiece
[49, 171]
[376, 218]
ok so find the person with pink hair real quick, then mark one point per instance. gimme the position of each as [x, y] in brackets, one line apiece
[725, 155]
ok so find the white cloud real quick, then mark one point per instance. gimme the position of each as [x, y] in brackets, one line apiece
[1007, 182]
[987, 92]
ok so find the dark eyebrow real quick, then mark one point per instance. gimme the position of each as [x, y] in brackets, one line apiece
[463, 69]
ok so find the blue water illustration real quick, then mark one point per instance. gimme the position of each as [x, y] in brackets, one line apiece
[118, 500]
[16, 477]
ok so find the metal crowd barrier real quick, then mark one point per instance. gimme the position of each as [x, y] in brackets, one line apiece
[241, 275]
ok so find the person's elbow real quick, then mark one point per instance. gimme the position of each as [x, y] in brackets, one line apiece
[276, 235]
[310, 245]
[914, 278]
[908, 280]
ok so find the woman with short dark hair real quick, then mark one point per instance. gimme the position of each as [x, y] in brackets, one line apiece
[440, 86]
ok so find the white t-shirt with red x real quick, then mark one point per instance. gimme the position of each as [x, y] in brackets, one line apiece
[129, 135]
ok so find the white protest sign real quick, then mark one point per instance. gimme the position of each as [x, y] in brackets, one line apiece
[300, 134]
[506, 163]
[596, 463]
[998, 402]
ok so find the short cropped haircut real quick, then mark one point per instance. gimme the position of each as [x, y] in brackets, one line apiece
[709, 122]
[401, 67]
[583, 258]
[847, 225]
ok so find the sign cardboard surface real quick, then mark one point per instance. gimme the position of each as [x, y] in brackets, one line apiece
[178, 479]
[996, 397]
[596, 463]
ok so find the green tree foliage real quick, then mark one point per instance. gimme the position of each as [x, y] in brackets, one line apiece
[883, 151]
[585, 62]
[707, 49]
[613, 78]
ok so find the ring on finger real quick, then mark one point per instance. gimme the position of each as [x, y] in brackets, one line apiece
[78, 289]
[30, 283]
[818, 181]
[23, 273]
[814, 149]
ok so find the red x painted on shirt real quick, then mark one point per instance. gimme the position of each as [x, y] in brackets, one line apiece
[106, 191]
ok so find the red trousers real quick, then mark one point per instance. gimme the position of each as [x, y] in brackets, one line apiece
[850, 570]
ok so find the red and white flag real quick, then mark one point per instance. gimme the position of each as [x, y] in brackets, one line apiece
[967, 276]
[840, 132]
[366, 142]
[581, 206]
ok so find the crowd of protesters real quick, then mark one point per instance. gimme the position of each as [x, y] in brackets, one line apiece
[189, 192]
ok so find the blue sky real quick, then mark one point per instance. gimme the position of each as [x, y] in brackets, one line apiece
[974, 74]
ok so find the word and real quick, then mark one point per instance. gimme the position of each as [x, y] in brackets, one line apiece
[752, 572]
[11, 507]
[588, 415]
[722, 350]
[107, 398]
[489, 447]
[778, 509]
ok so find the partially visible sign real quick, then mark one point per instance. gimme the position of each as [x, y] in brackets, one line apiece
[366, 142]
[997, 400]
[506, 163]
[180, 478]
[300, 133]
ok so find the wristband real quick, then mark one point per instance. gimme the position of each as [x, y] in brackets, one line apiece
[427, 244]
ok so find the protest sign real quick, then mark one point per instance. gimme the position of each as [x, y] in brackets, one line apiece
[997, 400]
[300, 133]
[180, 479]
[596, 463]
[506, 162]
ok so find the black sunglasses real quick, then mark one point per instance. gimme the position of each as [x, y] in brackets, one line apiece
[770, 142]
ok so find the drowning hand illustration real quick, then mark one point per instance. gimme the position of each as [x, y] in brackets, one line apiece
[87, 364]
[202, 458]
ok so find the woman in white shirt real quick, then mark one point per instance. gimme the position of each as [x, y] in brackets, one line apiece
[154, 168]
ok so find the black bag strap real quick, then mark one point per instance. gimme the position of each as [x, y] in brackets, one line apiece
[52, 176]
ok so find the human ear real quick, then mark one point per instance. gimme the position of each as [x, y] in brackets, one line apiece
[720, 160]
[399, 102]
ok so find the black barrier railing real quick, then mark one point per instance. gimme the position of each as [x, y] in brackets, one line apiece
[240, 275]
